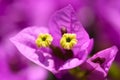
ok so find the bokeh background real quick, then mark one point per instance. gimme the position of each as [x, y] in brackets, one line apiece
[100, 18]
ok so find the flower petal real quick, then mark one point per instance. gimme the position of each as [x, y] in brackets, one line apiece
[72, 63]
[66, 18]
[25, 43]
[29, 35]
[107, 54]
[96, 69]
[86, 47]
[97, 74]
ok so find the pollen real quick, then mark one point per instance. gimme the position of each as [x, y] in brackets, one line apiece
[44, 40]
[68, 41]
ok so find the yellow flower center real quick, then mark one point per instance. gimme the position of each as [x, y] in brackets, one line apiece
[44, 40]
[68, 40]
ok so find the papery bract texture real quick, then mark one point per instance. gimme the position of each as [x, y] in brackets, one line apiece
[98, 65]
[67, 20]
[55, 58]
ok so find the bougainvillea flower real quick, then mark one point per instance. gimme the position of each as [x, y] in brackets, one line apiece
[99, 64]
[64, 45]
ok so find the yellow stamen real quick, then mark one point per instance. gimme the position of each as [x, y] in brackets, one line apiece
[68, 40]
[44, 40]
